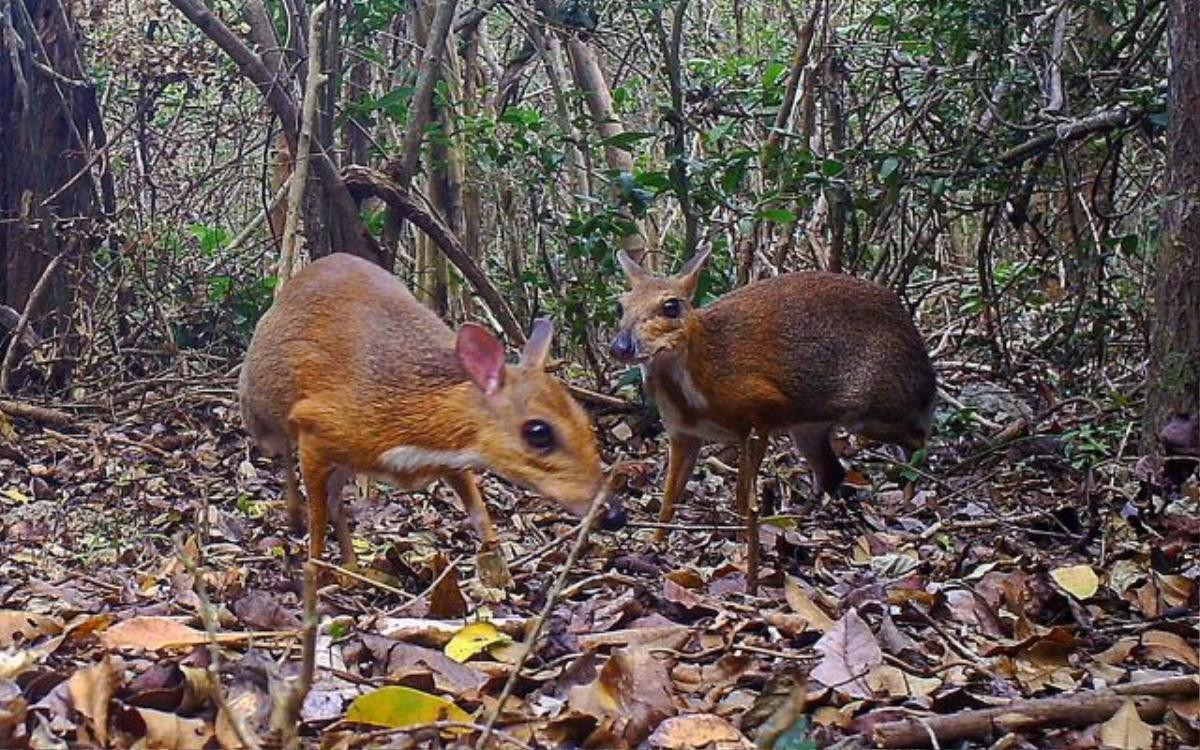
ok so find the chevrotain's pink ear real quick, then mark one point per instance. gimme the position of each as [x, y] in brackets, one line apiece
[537, 348]
[632, 270]
[482, 355]
[689, 275]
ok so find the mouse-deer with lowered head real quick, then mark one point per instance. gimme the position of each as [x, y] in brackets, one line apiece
[801, 353]
[349, 368]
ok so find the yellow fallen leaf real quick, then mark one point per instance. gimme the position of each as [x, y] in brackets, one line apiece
[473, 639]
[15, 496]
[398, 706]
[1126, 730]
[1080, 581]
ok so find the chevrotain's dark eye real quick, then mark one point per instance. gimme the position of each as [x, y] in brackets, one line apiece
[673, 308]
[538, 434]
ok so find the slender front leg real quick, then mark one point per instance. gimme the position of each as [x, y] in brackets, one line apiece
[681, 460]
[750, 456]
[489, 563]
[316, 471]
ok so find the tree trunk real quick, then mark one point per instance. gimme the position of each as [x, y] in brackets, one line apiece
[590, 79]
[51, 126]
[1174, 372]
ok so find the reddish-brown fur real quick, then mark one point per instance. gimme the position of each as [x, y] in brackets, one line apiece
[801, 353]
[347, 365]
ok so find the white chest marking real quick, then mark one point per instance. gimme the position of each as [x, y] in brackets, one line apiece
[406, 459]
[674, 419]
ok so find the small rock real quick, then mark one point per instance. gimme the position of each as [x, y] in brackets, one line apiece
[622, 432]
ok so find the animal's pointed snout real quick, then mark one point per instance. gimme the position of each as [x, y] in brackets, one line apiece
[623, 346]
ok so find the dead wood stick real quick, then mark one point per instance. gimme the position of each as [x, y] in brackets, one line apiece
[36, 413]
[285, 716]
[1078, 709]
[208, 615]
[308, 113]
[363, 182]
[602, 400]
[531, 638]
[35, 298]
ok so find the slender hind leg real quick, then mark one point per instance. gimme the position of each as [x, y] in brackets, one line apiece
[291, 490]
[339, 513]
[812, 441]
[316, 471]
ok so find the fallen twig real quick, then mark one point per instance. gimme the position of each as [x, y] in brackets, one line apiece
[35, 299]
[1078, 709]
[36, 413]
[285, 709]
[208, 616]
[364, 579]
[531, 637]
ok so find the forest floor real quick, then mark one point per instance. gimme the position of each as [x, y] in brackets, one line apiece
[1030, 562]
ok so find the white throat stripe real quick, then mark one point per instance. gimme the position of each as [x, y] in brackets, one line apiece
[404, 459]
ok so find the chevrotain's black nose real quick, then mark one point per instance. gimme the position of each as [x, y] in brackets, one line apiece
[622, 346]
[614, 515]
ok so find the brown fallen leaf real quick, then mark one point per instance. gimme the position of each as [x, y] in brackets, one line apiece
[13, 711]
[262, 611]
[13, 663]
[401, 659]
[1126, 730]
[91, 690]
[165, 731]
[245, 704]
[698, 731]
[850, 654]
[1162, 645]
[437, 633]
[666, 636]
[889, 681]
[803, 605]
[446, 601]
[148, 633]
[629, 697]
[25, 626]
[705, 677]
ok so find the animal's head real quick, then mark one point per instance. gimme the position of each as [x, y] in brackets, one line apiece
[655, 309]
[533, 433]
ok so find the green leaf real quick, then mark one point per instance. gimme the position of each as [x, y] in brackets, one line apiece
[771, 75]
[625, 140]
[777, 215]
[832, 167]
[889, 167]
[397, 706]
